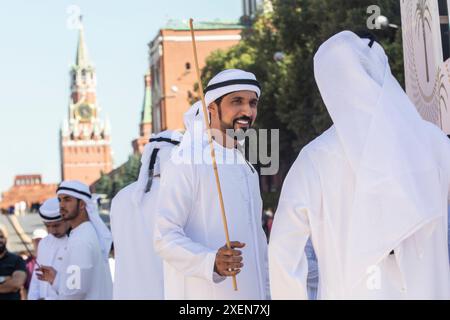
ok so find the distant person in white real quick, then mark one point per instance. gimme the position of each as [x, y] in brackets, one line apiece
[138, 269]
[85, 271]
[51, 249]
[371, 192]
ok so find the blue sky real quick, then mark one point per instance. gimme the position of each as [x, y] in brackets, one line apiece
[36, 50]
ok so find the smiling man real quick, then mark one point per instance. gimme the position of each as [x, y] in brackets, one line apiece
[189, 234]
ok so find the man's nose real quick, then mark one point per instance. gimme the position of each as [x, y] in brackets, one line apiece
[246, 110]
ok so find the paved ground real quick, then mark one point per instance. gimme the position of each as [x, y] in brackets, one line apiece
[29, 223]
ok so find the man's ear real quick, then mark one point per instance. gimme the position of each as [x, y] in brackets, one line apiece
[212, 108]
[82, 205]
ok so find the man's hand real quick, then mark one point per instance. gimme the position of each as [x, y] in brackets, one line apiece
[14, 282]
[229, 261]
[46, 273]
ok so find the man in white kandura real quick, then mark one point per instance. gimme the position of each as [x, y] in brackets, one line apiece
[138, 269]
[189, 233]
[85, 273]
[51, 249]
[371, 191]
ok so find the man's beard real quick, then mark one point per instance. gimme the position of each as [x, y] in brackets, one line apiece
[2, 248]
[70, 216]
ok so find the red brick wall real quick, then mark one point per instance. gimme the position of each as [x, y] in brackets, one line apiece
[30, 193]
[175, 56]
[85, 163]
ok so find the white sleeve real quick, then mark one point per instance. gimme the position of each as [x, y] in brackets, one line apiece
[447, 144]
[75, 282]
[263, 239]
[33, 290]
[288, 264]
[175, 201]
[448, 233]
[267, 279]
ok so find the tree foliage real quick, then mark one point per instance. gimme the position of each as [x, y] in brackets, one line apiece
[111, 184]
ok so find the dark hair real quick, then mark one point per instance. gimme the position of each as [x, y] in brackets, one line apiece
[218, 101]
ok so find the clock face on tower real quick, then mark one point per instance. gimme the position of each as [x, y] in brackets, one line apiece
[84, 112]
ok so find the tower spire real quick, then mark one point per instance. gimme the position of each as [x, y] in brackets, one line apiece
[145, 126]
[82, 54]
[146, 115]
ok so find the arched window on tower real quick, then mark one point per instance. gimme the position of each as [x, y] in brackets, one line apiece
[83, 75]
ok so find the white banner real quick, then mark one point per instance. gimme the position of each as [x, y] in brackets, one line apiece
[426, 75]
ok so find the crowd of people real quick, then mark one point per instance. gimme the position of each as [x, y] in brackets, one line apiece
[362, 212]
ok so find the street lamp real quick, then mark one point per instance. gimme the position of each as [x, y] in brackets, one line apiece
[383, 23]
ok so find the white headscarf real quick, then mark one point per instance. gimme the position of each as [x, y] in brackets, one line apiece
[193, 115]
[81, 191]
[164, 139]
[397, 187]
[226, 81]
[230, 80]
[49, 210]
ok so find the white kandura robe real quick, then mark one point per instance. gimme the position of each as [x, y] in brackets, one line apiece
[85, 273]
[374, 151]
[189, 228]
[315, 201]
[50, 253]
[138, 269]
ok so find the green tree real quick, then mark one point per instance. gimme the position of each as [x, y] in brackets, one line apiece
[104, 185]
[111, 184]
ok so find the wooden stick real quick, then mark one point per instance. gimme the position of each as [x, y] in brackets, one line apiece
[210, 142]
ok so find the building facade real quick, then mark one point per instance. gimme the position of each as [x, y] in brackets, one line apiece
[172, 66]
[27, 189]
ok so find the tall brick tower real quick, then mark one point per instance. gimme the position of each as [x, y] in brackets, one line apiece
[85, 138]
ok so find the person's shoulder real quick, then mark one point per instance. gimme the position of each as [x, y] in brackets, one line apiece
[11, 256]
[327, 141]
[325, 147]
[124, 193]
[47, 240]
[180, 158]
[16, 260]
[121, 204]
[82, 235]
